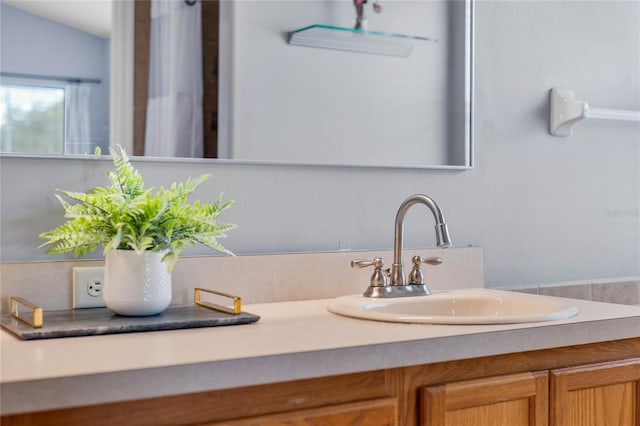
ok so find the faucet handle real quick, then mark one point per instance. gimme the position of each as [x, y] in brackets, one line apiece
[416, 277]
[417, 260]
[378, 278]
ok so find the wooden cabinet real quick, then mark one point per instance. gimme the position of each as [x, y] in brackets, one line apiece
[587, 385]
[368, 398]
[601, 394]
[511, 400]
[596, 394]
[379, 412]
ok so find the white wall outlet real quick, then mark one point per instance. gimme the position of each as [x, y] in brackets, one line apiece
[88, 284]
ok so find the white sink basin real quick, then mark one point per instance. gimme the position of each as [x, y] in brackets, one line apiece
[469, 306]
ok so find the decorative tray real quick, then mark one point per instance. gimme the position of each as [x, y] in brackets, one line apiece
[99, 321]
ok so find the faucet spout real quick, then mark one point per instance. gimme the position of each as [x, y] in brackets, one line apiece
[442, 233]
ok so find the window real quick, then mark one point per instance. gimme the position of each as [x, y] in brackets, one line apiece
[32, 119]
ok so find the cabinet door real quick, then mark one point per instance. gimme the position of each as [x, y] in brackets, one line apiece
[377, 412]
[511, 400]
[596, 394]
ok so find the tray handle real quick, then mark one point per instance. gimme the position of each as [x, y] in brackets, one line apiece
[237, 301]
[36, 312]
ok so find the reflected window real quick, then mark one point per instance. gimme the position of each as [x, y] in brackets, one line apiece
[32, 119]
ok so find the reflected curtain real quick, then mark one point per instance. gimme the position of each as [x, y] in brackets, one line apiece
[77, 139]
[174, 109]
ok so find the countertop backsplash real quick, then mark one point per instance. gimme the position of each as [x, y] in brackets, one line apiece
[255, 278]
[624, 290]
[298, 276]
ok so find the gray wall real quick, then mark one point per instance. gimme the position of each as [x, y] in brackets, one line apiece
[545, 209]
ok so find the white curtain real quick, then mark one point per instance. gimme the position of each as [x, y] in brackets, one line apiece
[174, 109]
[77, 139]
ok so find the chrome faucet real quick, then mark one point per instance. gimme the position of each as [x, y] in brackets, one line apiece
[398, 287]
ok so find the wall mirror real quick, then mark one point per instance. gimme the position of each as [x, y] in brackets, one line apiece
[325, 101]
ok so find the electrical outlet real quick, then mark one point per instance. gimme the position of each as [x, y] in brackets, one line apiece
[87, 287]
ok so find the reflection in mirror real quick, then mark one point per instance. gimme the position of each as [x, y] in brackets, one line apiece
[279, 102]
[54, 81]
[313, 105]
[34, 118]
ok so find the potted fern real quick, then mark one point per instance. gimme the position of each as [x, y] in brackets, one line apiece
[142, 232]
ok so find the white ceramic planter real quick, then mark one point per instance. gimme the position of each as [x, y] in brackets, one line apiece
[136, 284]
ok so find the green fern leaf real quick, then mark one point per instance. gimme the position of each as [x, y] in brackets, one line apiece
[126, 216]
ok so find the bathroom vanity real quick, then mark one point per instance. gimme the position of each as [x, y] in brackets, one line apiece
[300, 364]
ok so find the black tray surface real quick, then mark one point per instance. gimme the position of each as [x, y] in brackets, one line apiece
[98, 321]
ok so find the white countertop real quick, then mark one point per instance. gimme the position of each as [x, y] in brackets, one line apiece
[292, 340]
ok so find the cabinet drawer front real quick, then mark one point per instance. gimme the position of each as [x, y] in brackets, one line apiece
[597, 394]
[515, 399]
[377, 412]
